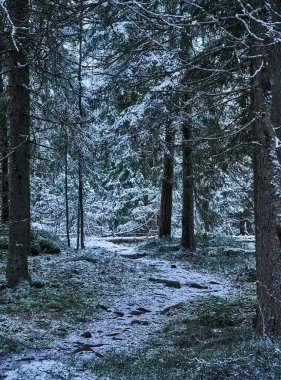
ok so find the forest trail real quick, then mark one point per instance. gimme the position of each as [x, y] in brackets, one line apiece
[127, 320]
[131, 319]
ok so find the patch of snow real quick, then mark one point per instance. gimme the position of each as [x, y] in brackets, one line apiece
[46, 370]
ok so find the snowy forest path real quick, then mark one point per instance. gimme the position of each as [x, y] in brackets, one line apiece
[157, 290]
[145, 293]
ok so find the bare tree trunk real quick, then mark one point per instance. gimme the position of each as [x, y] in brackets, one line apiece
[4, 154]
[267, 175]
[81, 207]
[78, 223]
[188, 236]
[166, 205]
[66, 189]
[19, 174]
[80, 229]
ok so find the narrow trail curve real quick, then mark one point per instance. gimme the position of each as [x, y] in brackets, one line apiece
[130, 320]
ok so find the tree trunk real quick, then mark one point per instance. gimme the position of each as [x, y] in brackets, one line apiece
[188, 237]
[4, 154]
[80, 226]
[19, 174]
[66, 190]
[267, 177]
[165, 218]
[81, 207]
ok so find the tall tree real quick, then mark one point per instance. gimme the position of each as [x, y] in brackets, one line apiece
[80, 214]
[266, 95]
[4, 152]
[166, 204]
[66, 186]
[188, 236]
[19, 119]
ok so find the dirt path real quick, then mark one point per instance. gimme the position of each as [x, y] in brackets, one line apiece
[124, 324]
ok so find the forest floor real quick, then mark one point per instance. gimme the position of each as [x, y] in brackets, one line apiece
[103, 313]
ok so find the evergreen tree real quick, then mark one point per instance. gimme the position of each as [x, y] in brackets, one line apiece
[19, 145]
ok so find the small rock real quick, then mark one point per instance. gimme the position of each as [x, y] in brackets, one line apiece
[144, 310]
[38, 284]
[139, 322]
[86, 334]
[98, 355]
[75, 271]
[112, 334]
[55, 285]
[169, 283]
[196, 286]
[82, 347]
[173, 266]
[119, 313]
[172, 308]
[102, 307]
[136, 312]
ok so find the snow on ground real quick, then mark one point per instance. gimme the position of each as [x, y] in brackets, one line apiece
[132, 309]
[46, 370]
[132, 329]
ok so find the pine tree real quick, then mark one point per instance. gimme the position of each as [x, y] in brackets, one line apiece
[19, 119]
[266, 50]
[4, 151]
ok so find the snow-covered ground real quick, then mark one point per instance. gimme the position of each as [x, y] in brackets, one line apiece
[132, 310]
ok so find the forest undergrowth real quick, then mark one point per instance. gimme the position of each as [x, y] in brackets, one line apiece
[95, 314]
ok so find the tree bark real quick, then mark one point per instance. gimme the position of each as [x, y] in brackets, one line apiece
[80, 225]
[66, 189]
[81, 206]
[267, 174]
[188, 236]
[165, 219]
[4, 154]
[19, 173]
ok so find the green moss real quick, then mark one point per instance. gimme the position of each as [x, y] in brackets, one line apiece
[8, 345]
[41, 241]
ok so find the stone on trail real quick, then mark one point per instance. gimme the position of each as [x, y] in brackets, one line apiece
[139, 322]
[87, 335]
[168, 283]
[196, 286]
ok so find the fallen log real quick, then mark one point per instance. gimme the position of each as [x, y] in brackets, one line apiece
[168, 283]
